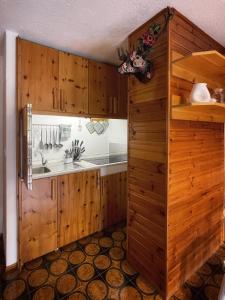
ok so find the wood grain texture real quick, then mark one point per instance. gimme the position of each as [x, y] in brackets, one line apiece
[122, 97]
[79, 207]
[73, 83]
[203, 66]
[147, 160]
[60, 83]
[175, 168]
[37, 75]
[107, 91]
[37, 219]
[113, 198]
[196, 171]
[208, 112]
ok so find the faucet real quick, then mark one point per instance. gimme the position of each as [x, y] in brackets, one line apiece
[43, 160]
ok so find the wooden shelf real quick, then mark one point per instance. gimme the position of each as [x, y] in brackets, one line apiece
[206, 66]
[207, 112]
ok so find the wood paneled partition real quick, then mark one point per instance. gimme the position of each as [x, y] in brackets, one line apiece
[175, 167]
[147, 165]
[196, 171]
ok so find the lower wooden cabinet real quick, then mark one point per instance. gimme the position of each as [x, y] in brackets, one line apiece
[37, 219]
[79, 206]
[60, 210]
[113, 198]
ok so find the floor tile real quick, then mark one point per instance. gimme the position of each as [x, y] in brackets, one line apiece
[96, 268]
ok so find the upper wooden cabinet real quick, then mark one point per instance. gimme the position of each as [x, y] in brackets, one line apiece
[107, 91]
[56, 82]
[73, 83]
[122, 96]
[38, 69]
[100, 92]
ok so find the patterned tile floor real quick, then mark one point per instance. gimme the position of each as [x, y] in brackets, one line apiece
[95, 268]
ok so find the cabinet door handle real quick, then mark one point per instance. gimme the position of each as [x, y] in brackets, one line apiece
[98, 180]
[53, 189]
[55, 98]
[110, 105]
[64, 100]
[61, 99]
[115, 104]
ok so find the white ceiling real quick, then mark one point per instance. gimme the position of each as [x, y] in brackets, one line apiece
[95, 28]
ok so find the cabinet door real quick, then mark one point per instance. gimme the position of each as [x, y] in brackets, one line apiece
[89, 204]
[122, 96]
[103, 88]
[114, 198]
[73, 83]
[38, 219]
[37, 76]
[79, 206]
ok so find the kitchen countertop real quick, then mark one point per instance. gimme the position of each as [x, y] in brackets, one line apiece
[114, 163]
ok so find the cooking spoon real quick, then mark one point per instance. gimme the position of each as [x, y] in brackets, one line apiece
[54, 138]
[60, 133]
[41, 144]
[46, 142]
[50, 142]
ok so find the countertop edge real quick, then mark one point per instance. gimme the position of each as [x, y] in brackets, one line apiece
[78, 170]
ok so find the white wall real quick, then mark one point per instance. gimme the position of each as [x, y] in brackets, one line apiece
[117, 136]
[1, 141]
[9, 110]
[95, 145]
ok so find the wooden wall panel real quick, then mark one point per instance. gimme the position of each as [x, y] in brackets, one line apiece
[113, 198]
[147, 165]
[175, 169]
[196, 170]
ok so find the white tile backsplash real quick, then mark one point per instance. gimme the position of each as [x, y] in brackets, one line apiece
[113, 140]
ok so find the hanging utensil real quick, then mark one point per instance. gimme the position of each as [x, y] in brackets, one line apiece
[41, 144]
[46, 139]
[50, 142]
[60, 134]
[54, 138]
[57, 138]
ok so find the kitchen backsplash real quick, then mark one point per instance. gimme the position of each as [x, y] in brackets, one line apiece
[111, 140]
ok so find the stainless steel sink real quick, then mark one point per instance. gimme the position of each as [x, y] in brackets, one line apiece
[40, 170]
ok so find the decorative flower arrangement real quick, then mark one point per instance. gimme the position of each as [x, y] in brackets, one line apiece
[137, 61]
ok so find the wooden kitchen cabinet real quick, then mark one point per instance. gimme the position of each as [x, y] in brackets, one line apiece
[79, 208]
[37, 76]
[122, 96]
[73, 83]
[113, 198]
[107, 91]
[57, 82]
[37, 219]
